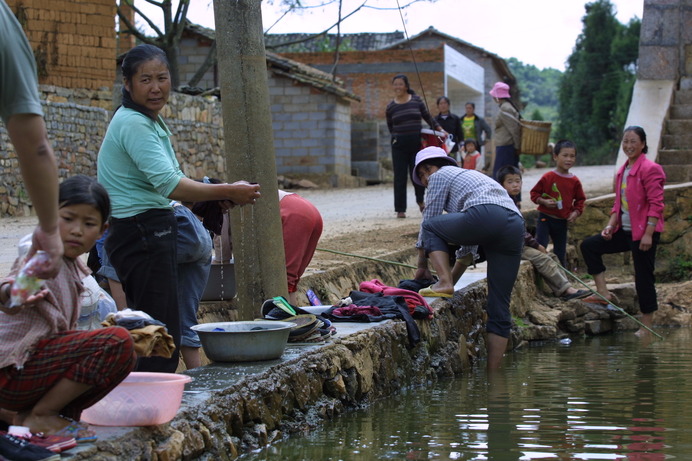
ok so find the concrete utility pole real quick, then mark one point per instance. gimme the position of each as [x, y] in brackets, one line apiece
[260, 264]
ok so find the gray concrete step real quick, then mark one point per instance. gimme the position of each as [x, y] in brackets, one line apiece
[671, 141]
[681, 112]
[683, 97]
[677, 173]
[674, 156]
[679, 127]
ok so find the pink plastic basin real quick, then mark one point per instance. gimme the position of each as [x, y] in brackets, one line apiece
[142, 399]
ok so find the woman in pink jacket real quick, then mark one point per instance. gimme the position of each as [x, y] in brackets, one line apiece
[636, 223]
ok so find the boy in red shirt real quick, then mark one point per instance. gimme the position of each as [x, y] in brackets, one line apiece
[560, 199]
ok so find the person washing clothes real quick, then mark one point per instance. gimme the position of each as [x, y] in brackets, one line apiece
[467, 208]
[302, 224]
[139, 169]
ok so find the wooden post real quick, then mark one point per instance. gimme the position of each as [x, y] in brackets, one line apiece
[260, 263]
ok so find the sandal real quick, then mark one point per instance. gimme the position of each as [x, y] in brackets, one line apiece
[597, 299]
[78, 430]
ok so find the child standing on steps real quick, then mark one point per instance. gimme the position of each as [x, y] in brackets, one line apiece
[49, 372]
[560, 199]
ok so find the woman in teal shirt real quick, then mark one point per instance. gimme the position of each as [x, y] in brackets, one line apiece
[138, 167]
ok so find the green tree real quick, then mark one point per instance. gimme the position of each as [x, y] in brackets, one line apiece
[596, 88]
[539, 89]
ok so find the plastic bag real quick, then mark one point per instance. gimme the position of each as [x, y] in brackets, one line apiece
[26, 284]
[96, 304]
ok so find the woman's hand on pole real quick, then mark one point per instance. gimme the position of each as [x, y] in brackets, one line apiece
[243, 192]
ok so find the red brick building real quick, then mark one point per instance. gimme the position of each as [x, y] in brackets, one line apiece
[74, 41]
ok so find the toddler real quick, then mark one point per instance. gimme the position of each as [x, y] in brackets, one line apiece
[472, 159]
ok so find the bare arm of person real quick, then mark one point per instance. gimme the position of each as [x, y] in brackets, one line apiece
[238, 193]
[40, 172]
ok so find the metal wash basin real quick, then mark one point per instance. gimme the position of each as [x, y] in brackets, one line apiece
[245, 341]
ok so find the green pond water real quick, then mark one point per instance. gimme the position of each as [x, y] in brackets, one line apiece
[611, 397]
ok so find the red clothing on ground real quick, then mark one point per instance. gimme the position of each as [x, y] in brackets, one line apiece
[569, 188]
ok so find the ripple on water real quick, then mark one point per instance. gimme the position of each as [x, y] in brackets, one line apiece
[601, 398]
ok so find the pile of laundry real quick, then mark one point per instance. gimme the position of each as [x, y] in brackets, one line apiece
[150, 336]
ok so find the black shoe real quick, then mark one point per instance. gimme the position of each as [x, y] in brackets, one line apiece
[18, 449]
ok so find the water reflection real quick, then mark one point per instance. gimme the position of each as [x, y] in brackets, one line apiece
[599, 398]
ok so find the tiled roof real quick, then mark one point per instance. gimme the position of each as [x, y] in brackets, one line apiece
[290, 69]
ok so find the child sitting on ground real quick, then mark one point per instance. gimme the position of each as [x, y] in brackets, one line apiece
[560, 199]
[510, 178]
[471, 158]
[49, 372]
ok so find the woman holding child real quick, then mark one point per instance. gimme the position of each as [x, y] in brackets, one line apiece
[635, 224]
[138, 167]
[478, 212]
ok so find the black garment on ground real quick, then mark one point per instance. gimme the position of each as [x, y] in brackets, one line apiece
[392, 307]
[416, 284]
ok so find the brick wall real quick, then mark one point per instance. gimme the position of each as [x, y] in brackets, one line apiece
[73, 40]
[369, 75]
[193, 52]
[312, 129]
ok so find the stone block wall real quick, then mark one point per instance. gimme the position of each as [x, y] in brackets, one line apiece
[312, 136]
[73, 40]
[665, 38]
[75, 131]
[312, 129]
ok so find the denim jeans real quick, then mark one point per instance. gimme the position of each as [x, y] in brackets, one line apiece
[194, 247]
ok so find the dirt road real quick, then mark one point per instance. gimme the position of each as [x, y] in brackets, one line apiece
[359, 221]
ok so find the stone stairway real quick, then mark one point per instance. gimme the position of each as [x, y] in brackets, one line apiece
[676, 153]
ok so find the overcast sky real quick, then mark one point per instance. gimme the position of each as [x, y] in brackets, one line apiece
[538, 32]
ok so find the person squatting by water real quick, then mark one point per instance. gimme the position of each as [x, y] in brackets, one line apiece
[49, 372]
[301, 225]
[510, 178]
[560, 199]
[404, 114]
[635, 225]
[138, 167]
[478, 212]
